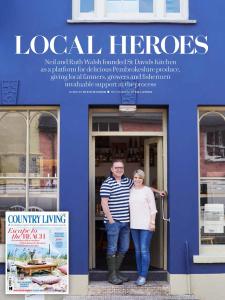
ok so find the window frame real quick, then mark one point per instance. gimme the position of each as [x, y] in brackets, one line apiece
[25, 111]
[208, 253]
[159, 14]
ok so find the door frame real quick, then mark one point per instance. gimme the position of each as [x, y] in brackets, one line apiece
[92, 135]
[158, 240]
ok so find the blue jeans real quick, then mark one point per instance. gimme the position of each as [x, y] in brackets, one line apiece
[142, 240]
[118, 237]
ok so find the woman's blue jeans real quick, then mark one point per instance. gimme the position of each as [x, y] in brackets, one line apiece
[118, 237]
[142, 240]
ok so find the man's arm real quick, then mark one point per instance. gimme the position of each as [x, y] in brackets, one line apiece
[105, 207]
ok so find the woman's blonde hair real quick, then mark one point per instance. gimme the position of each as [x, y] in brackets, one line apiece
[140, 173]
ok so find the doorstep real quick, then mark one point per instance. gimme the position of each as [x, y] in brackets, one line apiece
[152, 290]
[103, 288]
[170, 297]
[99, 275]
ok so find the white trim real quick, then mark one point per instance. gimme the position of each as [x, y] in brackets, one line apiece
[208, 259]
[127, 133]
[203, 286]
[92, 134]
[159, 15]
[167, 21]
[207, 253]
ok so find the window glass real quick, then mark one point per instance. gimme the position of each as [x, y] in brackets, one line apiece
[172, 6]
[12, 197]
[43, 145]
[19, 190]
[122, 6]
[138, 10]
[86, 6]
[43, 194]
[146, 6]
[13, 144]
[129, 6]
[212, 177]
[151, 121]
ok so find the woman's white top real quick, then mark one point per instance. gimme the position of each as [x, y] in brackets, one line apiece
[142, 206]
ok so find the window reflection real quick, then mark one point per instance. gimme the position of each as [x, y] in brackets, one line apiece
[152, 121]
[86, 6]
[173, 6]
[43, 145]
[12, 197]
[212, 178]
[43, 194]
[13, 144]
[129, 6]
[18, 190]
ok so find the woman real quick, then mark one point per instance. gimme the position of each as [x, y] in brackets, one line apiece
[142, 223]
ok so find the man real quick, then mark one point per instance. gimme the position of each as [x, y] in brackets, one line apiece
[114, 193]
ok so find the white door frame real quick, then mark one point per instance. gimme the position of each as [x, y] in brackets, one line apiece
[157, 244]
[92, 135]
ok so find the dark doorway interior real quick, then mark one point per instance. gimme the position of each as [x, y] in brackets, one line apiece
[131, 151]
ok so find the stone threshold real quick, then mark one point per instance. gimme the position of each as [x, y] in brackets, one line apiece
[100, 275]
[169, 297]
[103, 288]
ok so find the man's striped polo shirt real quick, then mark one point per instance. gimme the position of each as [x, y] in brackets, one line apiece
[118, 195]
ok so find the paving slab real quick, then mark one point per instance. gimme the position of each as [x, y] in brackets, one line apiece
[130, 297]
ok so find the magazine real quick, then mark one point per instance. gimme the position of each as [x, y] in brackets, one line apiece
[36, 252]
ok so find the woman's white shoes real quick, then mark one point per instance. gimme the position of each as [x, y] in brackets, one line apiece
[140, 281]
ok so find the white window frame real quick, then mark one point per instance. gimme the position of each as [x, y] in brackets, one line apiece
[207, 253]
[27, 177]
[159, 14]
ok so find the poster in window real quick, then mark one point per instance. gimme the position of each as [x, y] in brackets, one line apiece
[214, 218]
[36, 252]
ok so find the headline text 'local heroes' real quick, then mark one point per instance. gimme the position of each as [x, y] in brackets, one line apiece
[132, 44]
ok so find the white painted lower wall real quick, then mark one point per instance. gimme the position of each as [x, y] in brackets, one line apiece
[204, 286]
[78, 285]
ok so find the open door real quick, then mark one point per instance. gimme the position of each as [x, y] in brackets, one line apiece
[153, 166]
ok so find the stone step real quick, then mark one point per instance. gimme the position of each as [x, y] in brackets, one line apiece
[130, 297]
[152, 290]
[103, 288]
[100, 275]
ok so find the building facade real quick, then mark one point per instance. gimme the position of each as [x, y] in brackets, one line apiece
[84, 82]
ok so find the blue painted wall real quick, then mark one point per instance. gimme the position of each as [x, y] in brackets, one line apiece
[201, 82]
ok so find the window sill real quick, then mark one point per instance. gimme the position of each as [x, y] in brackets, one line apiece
[208, 259]
[72, 21]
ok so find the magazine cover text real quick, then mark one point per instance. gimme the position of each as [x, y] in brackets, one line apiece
[36, 252]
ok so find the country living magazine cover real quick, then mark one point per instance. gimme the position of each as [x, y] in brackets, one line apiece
[36, 245]
[85, 82]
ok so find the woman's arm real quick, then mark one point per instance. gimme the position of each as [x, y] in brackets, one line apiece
[161, 193]
[152, 222]
[152, 208]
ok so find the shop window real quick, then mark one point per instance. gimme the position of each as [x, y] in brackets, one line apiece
[28, 162]
[212, 178]
[151, 121]
[130, 10]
